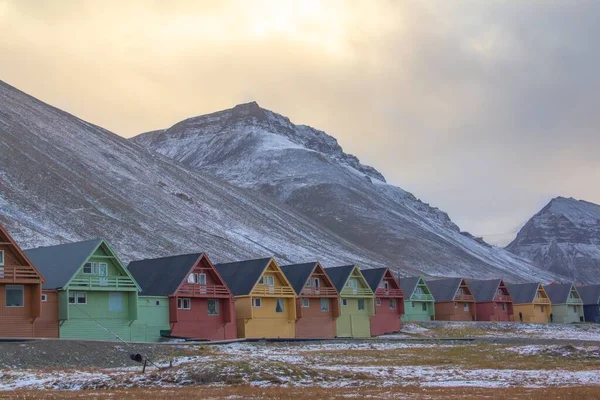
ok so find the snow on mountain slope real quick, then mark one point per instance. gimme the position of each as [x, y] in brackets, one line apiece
[305, 168]
[563, 238]
[63, 179]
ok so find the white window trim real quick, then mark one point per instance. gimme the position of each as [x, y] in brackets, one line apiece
[44, 298]
[316, 282]
[216, 308]
[393, 304]
[363, 303]
[254, 300]
[76, 298]
[183, 301]
[305, 302]
[277, 300]
[91, 268]
[344, 303]
[324, 301]
[1, 257]
[378, 301]
[105, 265]
[466, 307]
[22, 287]
[201, 275]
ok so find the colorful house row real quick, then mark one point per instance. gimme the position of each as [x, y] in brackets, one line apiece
[83, 291]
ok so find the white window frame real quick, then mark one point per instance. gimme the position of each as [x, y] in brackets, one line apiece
[12, 287]
[103, 265]
[316, 282]
[281, 301]
[181, 303]
[495, 305]
[352, 283]
[359, 302]
[392, 304]
[1, 257]
[202, 277]
[344, 302]
[378, 301]
[424, 308]
[324, 301]
[419, 290]
[456, 304]
[44, 298]
[466, 307]
[305, 302]
[158, 302]
[503, 306]
[192, 278]
[216, 301]
[76, 298]
[91, 268]
[256, 302]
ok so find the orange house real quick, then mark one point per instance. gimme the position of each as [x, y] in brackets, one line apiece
[24, 310]
[453, 300]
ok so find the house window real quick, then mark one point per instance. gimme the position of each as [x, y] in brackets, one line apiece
[500, 292]
[77, 298]
[305, 303]
[103, 269]
[392, 304]
[184, 304]
[361, 304]
[44, 298]
[543, 308]
[455, 305]
[257, 302]
[352, 283]
[495, 305]
[413, 304]
[87, 268]
[213, 307]
[538, 295]
[268, 280]
[115, 301]
[279, 305]
[202, 279]
[503, 306]
[192, 278]
[378, 301]
[466, 307]
[324, 305]
[574, 309]
[1, 257]
[316, 282]
[344, 302]
[419, 291]
[15, 296]
[158, 302]
[424, 306]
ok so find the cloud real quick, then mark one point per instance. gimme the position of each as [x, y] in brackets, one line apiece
[485, 109]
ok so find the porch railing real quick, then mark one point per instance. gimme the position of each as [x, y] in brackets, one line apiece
[17, 274]
[383, 292]
[464, 297]
[272, 291]
[319, 291]
[95, 282]
[195, 290]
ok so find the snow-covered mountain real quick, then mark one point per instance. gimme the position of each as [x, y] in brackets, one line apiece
[563, 238]
[253, 148]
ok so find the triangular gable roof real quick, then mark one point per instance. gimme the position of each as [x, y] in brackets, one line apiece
[163, 276]
[374, 276]
[590, 294]
[242, 276]
[60, 263]
[408, 285]
[298, 274]
[484, 290]
[523, 293]
[26, 261]
[444, 289]
[339, 275]
[559, 293]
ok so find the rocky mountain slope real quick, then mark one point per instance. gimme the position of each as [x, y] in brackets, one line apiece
[63, 179]
[253, 148]
[563, 238]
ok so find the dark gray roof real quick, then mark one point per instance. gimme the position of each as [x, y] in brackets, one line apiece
[374, 276]
[298, 274]
[484, 291]
[241, 276]
[408, 285]
[522, 293]
[590, 294]
[162, 276]
[59, 263]
[444, 289]
[339, 275]
[558, 293]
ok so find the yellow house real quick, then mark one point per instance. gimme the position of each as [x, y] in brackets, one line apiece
[264, 298]
[530, 303]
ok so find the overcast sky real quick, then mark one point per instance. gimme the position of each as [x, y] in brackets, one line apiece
[485, 109]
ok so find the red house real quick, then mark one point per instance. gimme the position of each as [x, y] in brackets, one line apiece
[389, 301]
[492, 300]
[317, 305]
[200, 304]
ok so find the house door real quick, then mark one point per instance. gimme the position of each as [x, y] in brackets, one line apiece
[103, 273]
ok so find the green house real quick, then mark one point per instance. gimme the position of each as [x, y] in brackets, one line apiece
[419, 304]
[567, 306]
[97, 297]
[356, 301]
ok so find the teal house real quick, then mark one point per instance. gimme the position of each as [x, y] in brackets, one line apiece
[97, 297]
[419, 304]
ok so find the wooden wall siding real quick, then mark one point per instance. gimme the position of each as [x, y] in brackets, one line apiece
[197, 324]
[413, 311]
[567, 313]
[264, 322]
[492, 311]
[213, 288]
[314, 323]
[386, 320]
[47, 325]
[153, 317]
[85, 319]
[352, 322]
[446, 311]
[533, 313]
